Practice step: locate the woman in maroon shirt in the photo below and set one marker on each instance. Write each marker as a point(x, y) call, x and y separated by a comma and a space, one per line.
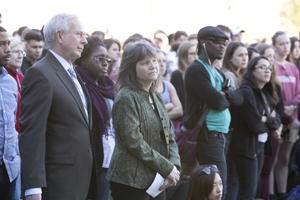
point(14, 64)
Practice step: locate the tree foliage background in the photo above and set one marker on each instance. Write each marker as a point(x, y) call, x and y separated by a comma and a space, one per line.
point(290, 12)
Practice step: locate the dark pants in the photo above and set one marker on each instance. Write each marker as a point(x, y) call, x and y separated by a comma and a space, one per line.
point(212, 152)
point(266, 170)
point(178, 192)
point(232, 178)
point(125, 192)
point(248, 170)
point(9, 190)
point(103, 185)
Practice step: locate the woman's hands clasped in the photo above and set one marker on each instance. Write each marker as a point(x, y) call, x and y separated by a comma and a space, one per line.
point(172, 179)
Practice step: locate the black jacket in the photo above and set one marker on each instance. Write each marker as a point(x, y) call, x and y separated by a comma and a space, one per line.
point(200, 91)
point(248, 124)
point(177, 81)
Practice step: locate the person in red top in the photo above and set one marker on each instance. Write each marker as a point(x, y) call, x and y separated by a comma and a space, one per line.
point(288, 75)
point(14, 64)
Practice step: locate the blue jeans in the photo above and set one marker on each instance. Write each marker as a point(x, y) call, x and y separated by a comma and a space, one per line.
point(9, 191)
point(103, 185)
point(213, 152)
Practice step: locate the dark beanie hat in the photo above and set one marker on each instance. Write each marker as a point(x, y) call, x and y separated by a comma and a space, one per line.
point(211, 31)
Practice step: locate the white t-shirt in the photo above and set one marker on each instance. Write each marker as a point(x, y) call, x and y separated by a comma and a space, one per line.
point(108, 141)
point(263, 137)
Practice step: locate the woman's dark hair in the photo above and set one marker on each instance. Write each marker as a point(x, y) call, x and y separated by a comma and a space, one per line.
point(133, 53)
point(111, 41)
point(175, 47)
point(201, 184)
point(269, 88)
point(33, 35)
point(227, 65)
point(254, 45)
point(93, 42)
point(250, 52)
point(170, 37)
point(262, 49)
point(290, 57)
point(180, 33)
point(21, 29)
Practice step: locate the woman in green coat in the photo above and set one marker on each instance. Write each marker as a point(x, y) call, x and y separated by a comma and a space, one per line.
point(145, 142)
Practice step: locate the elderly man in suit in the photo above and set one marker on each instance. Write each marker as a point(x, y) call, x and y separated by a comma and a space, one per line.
point(55, 135)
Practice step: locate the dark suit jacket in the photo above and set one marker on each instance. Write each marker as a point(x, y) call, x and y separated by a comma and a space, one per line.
point(55, 136)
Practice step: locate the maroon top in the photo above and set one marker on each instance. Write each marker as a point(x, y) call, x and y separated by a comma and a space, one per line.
point(18, 77)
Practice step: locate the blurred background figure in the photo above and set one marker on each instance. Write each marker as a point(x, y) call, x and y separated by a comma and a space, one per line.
point(161, 40)
point(113, 48)
point(193, 39)
point(186, 55)
point(99, 34)
point(295, 52)
point(167, 90)
point(179, 37)
point(252, 52)
point(15, 62)
point(34, 43)
point(226, 30)
point(236, 34)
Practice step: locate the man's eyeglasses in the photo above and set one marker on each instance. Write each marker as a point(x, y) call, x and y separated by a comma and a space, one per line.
point(18, 52)
point(207, 170)
point(217, 41)
point(265, 68)
point(102, 59)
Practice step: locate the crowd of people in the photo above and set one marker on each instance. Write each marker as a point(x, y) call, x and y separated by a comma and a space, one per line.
point(85, 117)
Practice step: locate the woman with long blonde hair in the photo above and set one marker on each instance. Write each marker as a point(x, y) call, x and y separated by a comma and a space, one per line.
point(186, 55)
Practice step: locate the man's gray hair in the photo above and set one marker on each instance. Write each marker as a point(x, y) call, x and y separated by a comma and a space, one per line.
point(58, 23)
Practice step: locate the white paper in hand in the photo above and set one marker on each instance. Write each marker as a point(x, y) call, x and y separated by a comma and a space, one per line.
point(153, 190)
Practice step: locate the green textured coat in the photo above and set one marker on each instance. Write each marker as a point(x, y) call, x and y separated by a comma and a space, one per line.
point(136, 157)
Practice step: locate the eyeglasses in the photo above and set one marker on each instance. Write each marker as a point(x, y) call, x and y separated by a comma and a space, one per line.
point(102, 59)
point(207, 170)
point(265, 68)
point(18, 52)
point(217, 41)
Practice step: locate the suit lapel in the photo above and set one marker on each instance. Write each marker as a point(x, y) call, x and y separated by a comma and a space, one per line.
point(88, 99)
point(67, 81)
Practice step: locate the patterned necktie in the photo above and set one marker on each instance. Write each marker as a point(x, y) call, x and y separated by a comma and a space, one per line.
point(78, 87)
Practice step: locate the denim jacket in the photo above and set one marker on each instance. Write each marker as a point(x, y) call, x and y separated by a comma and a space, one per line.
point(9, 147)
